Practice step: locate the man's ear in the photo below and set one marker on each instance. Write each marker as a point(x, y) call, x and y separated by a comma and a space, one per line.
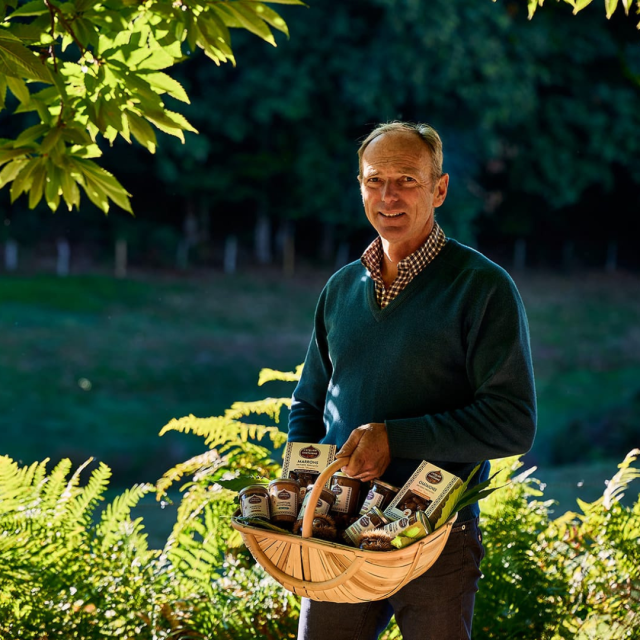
point(442, 187)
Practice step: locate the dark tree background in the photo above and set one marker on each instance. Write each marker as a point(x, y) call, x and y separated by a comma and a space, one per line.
point(539, 120)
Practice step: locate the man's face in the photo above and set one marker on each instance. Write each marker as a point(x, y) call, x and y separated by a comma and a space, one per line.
point(397, 191)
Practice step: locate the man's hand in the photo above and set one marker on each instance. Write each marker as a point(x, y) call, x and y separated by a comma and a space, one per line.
point(368, 447)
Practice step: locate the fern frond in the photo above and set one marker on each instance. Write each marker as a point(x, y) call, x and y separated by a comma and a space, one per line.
point(271, 407)
point(82, 505)
point(271, 375)
point(621, 480)
point(222, 431)
point(210, 460)
point(118, 512)
point(56, 484)
point(19, 485)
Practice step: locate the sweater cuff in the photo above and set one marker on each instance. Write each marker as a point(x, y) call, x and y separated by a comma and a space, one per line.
point(407, 437)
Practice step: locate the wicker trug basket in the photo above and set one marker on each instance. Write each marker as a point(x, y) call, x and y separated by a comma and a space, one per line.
point(333, 572)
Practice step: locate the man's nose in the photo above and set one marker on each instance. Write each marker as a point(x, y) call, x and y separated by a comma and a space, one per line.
point(389, 192)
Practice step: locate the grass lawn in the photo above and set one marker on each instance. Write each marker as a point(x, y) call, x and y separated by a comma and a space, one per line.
point(92, 366)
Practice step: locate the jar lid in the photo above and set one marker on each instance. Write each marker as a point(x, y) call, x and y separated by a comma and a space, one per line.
point(384, 484)
point(252, 487)
point(289, 480)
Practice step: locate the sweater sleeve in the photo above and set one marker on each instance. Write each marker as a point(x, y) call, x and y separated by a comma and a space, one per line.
point(306, 422)
point(501, 419)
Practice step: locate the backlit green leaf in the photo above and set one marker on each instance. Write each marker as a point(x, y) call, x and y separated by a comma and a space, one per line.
point(39, 175)
point(31, 134)
point(142, 131)
point(70, 191)
point(50, 140)
point(19, 89)
point(52, 187)
point(29, 64)
point(246, 16)
point(11, 170)
point(610, 6)
point(579, 5)
point(22, 181)
point(270, 17)
point(167, 84)
point(10, 154)
point(33, 8)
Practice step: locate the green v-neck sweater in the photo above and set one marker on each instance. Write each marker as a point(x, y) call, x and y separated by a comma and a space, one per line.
point(446, 365)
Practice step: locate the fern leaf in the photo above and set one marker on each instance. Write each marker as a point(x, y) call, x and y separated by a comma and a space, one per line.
point(209, 460)
point(271, 407)
point(621, 480)
point(270, 375)
point(221, 430)
point(56, 483)
point(118, 512)
point(81, 507)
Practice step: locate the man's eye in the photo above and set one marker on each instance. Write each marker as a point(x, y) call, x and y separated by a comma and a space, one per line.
point(408, 179)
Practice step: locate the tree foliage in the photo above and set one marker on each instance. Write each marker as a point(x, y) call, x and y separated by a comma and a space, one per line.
point(610, 6)
point(98, 69)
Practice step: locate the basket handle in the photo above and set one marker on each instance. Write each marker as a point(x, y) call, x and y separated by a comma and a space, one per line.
point(307, 520)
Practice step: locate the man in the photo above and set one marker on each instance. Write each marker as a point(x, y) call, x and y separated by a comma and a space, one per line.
point(420, 351)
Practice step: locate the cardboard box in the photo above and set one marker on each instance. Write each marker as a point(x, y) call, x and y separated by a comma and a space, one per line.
point(426, 490)
point(304, 460)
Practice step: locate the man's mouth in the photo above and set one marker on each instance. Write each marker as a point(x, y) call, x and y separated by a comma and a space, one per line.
point(391, 215)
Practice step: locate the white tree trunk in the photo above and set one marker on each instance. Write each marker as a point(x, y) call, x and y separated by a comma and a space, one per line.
point(520, 254)
point(121, 258)
point(64, 257)
point(288, 249)
point(230, 255)
point(262, 239)
point(11, 255)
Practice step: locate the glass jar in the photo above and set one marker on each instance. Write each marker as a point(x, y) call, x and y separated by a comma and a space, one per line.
point(373, 519)
point(254, 502)
point(380, 495)
point(284, 500)
point(347, 492)
point(325, 502)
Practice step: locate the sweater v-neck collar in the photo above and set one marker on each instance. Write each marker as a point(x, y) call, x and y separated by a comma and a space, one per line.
point(408, 292)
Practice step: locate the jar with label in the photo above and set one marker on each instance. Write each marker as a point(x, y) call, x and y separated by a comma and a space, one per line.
point(254, 502)
point(380, 495)
point(325, 502)
point(347, 492)
point(284, 500)
point(373, 519)
point(396, 527)
point(305, 478)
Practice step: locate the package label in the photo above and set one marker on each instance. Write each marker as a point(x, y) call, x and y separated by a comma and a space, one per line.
point(426, 490)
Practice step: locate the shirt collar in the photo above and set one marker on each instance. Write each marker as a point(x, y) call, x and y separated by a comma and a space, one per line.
point(423, 255)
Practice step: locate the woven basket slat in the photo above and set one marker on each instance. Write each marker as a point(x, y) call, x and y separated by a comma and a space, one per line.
point(294, 563)
point(274, 550)
point(319, 573)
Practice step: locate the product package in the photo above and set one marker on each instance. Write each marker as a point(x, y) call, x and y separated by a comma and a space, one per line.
point(304, 461)
point(426, 490)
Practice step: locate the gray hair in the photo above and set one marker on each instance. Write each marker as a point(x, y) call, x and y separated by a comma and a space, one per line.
point(426, 133)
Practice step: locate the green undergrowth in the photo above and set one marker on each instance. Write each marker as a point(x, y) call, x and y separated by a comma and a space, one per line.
point(72, 567)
